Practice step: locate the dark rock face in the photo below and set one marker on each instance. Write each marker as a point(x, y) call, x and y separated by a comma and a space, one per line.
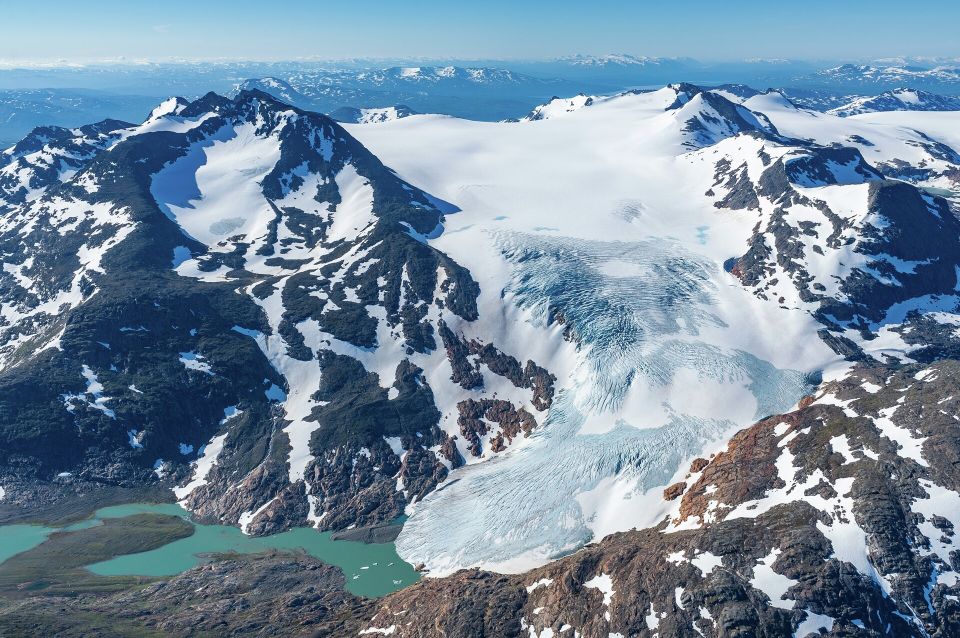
point(741, 195)
point(887, 486)
point(467, 373)
point(474, 416)
point(827, 166)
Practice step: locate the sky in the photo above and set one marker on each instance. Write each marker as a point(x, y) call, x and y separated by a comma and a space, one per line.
point(90, 30)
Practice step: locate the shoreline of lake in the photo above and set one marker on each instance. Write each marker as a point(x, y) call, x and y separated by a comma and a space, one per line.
point(370, 569)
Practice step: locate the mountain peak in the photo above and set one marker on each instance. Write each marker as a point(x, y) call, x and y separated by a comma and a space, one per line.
point(171, 106)
point(353, 115)
point(709, 116)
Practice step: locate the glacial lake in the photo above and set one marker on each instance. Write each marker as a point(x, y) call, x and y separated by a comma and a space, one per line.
point(371, 570)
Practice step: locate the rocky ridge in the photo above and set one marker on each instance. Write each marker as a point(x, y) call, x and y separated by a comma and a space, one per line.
point(124, 282)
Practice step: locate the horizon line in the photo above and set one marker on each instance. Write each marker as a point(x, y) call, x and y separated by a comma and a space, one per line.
point(8, 64)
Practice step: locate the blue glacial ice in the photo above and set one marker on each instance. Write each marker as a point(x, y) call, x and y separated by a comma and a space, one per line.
point(637, 311)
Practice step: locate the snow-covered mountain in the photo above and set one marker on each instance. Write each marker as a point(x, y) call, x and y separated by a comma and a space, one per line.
point(711, 317)
point(558, 106)
point(730, 157)
point(50, 155)
point(341, 302)
point(898, 100)
point(831, 516)
point(354, 115)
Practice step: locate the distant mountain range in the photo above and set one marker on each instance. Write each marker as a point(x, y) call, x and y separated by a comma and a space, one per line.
point(898, 100)
point(622, 60)
point(22, 110)
point(488, 93)
point(480, 93)
point(483, 90)
point(861, 75)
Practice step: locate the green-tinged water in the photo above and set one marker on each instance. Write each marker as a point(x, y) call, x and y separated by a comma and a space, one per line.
point(15, 539)
point(19, 538)
point(370, 569)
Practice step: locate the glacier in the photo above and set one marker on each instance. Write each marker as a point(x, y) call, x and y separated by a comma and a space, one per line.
point(610, 274)
point(636, 311)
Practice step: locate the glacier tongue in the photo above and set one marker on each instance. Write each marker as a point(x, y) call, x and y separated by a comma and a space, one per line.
point(645, 317)
point(523, 507)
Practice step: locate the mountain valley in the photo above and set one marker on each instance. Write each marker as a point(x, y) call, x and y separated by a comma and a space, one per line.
point(678, 361)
